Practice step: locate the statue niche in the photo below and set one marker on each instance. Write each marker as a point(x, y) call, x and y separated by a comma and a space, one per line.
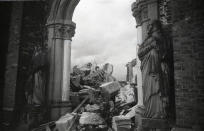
point(153, 53)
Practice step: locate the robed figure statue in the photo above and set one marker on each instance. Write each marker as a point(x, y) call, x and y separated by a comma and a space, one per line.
point(155, 72)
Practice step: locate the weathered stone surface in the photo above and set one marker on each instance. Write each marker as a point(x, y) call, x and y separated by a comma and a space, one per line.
point(64, 122)
point(155, 123)
point(121, 123)
point(92, 108)
point(110, 88)
point(88, 118)
point(126, 95)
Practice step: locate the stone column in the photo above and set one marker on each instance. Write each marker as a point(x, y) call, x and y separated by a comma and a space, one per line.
point(59, 49)
point(60, 31)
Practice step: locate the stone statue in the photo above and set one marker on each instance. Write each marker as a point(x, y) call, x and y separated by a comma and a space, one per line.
point(155, 72)
point(35, 89)
point(108, 69)
point(130, 75)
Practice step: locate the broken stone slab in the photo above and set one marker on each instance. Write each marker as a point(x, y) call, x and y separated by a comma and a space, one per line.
point(92, 108)
point(121, 123)
point(64, 122)
point(110, 89)
point(135, 110)
point(88, 118)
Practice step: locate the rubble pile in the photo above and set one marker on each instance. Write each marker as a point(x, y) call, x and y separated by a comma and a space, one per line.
point(108, 102)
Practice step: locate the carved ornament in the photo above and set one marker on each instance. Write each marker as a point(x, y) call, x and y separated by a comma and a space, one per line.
point(64, 31)
point(140, 10)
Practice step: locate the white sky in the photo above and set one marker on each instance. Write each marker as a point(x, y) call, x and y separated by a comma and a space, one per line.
point(105, 32)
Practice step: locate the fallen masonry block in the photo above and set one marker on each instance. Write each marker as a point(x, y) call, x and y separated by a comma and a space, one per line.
point(110, 89)
point(64, 122)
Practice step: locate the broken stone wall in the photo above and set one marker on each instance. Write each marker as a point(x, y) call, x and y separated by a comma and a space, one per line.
point(188, 46)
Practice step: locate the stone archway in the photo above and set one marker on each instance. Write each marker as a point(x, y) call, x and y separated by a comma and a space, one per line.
point(61, 29)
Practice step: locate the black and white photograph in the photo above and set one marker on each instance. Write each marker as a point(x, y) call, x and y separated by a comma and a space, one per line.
point(102, 65)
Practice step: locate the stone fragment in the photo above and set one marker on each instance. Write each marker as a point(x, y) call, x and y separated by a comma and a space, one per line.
point(92, 108)
point(126, 95)
point(121, 123)
point(88, 118)
point(64, 122)
point(110, 89)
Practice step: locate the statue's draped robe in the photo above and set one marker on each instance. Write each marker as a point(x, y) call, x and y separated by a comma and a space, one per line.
point(37, 80)
point(153, 80)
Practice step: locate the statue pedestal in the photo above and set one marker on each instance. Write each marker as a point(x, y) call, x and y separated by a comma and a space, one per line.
point(149, 124)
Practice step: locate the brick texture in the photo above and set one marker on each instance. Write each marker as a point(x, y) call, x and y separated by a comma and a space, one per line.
point(188, 46)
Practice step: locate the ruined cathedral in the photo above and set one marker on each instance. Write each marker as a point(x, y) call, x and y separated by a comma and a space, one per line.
point(40, 93)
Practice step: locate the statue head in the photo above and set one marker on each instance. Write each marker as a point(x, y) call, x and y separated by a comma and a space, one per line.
point(108, 68)
point(134, 62)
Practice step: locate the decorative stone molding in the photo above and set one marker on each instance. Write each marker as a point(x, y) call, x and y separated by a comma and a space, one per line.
point(60, 18)
point(140, 10)
point(65, 32)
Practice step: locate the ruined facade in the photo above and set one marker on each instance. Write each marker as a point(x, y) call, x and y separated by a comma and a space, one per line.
point(184, 19)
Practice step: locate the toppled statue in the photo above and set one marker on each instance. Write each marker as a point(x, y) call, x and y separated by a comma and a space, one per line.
point(155, 72)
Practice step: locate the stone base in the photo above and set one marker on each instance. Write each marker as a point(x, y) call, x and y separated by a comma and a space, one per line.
point(7, 119)
point(58, 109)
point(148, 124)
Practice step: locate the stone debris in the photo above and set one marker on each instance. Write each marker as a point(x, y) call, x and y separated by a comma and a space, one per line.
point(121, 123)
point(64, 122)
point(109, 105)
point(92, 108)
point(126, 95)
point(88, 118)
point(109, 89)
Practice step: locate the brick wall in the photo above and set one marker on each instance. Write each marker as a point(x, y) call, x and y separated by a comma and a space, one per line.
point(10, 76)
point(188, 46)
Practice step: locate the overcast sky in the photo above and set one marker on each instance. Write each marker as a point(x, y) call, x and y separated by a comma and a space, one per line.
point(105, 32)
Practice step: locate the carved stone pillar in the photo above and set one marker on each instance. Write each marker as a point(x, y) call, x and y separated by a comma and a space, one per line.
point(59, 46)
point(145, 11)
point(61, 29)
